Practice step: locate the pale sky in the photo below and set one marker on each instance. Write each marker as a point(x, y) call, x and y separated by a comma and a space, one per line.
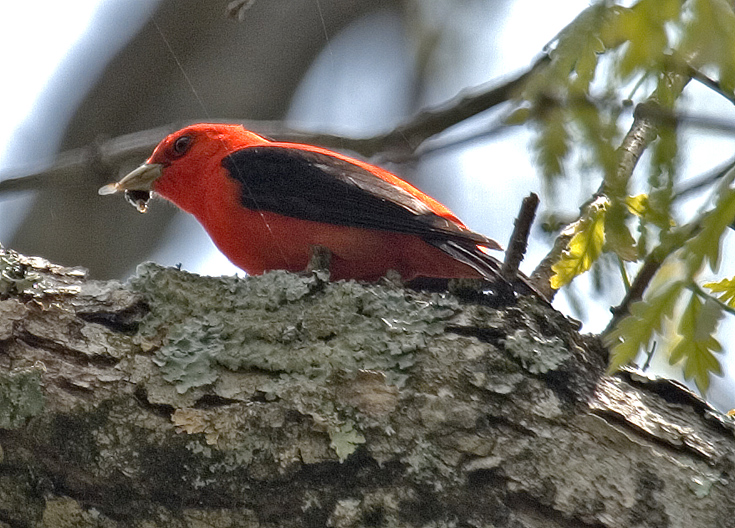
point(35, 37)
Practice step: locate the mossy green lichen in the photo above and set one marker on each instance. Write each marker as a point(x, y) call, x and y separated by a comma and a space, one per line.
point(21, 397)
point(295, 339)
point(345, 439)
point(15, 279)
point(537, 354)
point(34, 277)
point(282, 323)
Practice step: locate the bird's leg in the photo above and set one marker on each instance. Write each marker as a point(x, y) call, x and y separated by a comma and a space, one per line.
point(320, 261)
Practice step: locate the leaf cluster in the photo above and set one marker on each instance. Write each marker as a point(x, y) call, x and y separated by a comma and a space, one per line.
point(616, 67)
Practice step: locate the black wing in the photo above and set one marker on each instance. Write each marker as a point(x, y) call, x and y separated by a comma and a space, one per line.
point(323, 188)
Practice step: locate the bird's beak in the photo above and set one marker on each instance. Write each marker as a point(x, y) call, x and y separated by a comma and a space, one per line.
point(141, 179)
point(137, 185)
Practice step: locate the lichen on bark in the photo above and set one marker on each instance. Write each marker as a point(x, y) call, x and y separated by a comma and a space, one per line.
point(179, 400)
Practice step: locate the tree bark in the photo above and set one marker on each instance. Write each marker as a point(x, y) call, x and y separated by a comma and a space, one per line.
point(283, 400)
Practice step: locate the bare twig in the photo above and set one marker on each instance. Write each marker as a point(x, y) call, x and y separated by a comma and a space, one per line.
point(635, 292)
point(435, 120)
point(666, 117)
point(705, 180)
point(649, 357)
point(519, 238)
point(93, 163)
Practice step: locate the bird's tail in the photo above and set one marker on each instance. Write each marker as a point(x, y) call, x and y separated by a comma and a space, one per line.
point(486, 265)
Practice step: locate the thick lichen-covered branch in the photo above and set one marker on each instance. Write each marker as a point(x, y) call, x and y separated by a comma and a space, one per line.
point(179, 400)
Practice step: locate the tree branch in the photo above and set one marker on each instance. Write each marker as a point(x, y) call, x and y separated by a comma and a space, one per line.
point(180, 400)
point(96, 163)
point(639, 136)
point(646, 118)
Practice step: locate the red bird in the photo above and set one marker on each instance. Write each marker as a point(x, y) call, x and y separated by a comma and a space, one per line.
point(266, 203)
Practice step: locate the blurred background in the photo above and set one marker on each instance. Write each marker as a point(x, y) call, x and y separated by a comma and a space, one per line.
point(79, 73)
point(94, 70)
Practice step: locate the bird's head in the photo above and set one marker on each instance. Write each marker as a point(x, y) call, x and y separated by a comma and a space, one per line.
point(182, 164)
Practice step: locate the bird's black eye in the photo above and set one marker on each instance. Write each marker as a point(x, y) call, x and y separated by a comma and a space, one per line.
point(181, 145)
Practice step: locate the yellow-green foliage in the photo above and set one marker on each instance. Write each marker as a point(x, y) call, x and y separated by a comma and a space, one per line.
point(726, 287)
point(584, 248)
point(636, 330)
point(610, 60)
point(708, 39)
point(696, 343)
point(705, 246)
point(699, 321)
point(640, 32)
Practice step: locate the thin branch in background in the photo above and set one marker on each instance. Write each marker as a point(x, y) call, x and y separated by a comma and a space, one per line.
point(430, 122)
point(96, 163)
point(710, 83)
point(73, 168)
point(238, 9)
point(649, 357)
point(441, 144)
point(665, 117)
point(705, 180)
point(650, 266)
point(657, 115)
point(405, 139)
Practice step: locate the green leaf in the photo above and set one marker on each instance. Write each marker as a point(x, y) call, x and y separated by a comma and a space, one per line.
point(552, 144)
point(576, 52)
point(697, 344)
point(709, 38)
point(599, 129)
point(637, 204)
point(584, 248)
point(727, 288)
point(635, 331)
point(705, 246)
point(658, 208)
point(617, 234)
point(519, 116)
point(642, 27)
point(615, 32)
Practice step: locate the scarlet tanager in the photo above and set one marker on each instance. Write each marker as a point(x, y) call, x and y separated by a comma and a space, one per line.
point(266, 203)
